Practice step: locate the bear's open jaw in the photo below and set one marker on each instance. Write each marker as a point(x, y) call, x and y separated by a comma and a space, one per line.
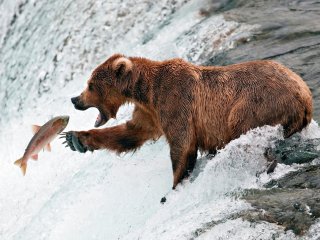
point(101, 119)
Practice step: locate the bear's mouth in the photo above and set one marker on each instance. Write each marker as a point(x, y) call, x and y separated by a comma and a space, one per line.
point(102, 118)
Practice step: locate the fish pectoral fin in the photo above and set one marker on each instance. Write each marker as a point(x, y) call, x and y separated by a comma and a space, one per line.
point(35, 128)
point(35, 157)
point(22, 165)
point(48, 147)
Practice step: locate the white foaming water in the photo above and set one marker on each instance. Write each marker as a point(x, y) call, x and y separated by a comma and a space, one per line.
point(46, 57)
point(210, 196)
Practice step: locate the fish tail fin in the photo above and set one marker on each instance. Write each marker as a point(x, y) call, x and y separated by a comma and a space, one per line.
point(18, 162)
point(22, 165)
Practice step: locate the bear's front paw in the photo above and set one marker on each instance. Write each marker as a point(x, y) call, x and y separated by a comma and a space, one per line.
point(76, 142)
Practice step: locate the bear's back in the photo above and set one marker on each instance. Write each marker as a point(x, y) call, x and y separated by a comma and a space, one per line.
point(230, 100)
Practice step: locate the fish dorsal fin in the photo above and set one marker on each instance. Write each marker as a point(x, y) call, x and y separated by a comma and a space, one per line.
point(35, 128)
point(48, 147)
point(35, 157)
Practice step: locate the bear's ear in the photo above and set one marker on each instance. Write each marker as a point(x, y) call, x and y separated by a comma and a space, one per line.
point(122, 66)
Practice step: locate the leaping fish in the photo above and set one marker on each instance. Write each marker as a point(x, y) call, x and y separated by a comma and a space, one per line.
point(42, 138)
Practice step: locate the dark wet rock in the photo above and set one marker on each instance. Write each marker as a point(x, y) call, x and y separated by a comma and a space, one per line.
point(294, 150)
point(292, 201)
point(295, 209)
point(288, 32)
point(308, 177)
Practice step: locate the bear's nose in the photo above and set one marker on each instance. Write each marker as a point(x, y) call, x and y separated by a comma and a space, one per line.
point(75, 100)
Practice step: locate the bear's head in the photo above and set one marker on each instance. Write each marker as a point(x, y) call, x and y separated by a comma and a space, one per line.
point(104, 88)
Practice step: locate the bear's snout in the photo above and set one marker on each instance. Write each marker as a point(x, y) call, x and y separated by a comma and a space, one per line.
point(75, 100)
point(78, 104)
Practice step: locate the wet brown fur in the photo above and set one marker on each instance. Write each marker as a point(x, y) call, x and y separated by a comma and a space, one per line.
point(195, 107)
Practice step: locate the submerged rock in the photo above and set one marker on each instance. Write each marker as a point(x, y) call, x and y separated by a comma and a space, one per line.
point(292, 201)
point(295, 150)
point(295, 209)
point(308, 177)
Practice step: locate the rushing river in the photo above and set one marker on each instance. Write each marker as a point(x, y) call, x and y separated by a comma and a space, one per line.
point(48, 50)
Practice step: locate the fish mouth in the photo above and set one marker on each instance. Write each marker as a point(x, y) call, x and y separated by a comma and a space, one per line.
point(102, 118)
point(66, 120)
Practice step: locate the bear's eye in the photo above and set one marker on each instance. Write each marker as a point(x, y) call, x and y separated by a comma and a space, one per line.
point(90, 87)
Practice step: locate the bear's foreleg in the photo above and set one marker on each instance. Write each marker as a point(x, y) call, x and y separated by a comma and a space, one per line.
point(121, 138)
point(183, 162)
point(183, 152)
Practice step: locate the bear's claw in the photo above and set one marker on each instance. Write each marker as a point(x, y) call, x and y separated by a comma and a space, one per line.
point(74, 143)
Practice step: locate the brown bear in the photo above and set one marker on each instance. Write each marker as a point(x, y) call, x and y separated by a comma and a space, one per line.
point(194, 107)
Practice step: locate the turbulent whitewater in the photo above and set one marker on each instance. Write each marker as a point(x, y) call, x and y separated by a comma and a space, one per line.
point(48, 50)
